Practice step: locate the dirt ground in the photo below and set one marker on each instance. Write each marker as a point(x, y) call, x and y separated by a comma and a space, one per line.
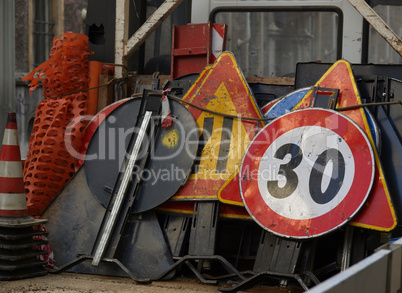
point(70, 282)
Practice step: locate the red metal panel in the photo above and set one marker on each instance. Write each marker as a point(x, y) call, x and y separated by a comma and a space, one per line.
point(194, 46)
point(190, 51)
point(191, 48)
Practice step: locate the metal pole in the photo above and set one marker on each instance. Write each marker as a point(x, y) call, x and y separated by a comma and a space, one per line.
point(122, 190)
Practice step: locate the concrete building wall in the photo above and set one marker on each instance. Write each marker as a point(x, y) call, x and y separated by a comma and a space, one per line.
point(72, 12)
point(18, 98)
point(7, 61)
point(21, 35)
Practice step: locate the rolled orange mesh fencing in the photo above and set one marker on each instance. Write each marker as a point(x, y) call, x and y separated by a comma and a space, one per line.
point(58, 128)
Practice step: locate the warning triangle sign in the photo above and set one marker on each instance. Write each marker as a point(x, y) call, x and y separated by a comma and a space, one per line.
point(227, 141)
point(221, 88)
point(187, 208)
point(378, 212)
point(229, 193)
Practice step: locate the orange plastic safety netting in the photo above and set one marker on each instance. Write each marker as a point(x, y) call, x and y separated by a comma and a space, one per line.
point(58, 127)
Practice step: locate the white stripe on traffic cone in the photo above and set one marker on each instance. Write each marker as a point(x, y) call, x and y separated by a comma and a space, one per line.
point(12, 194)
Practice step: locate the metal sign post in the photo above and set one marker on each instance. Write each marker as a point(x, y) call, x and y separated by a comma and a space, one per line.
point(111, 218)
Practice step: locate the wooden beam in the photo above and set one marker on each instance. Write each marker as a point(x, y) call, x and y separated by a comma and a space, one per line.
point(124, 47)
point(30, 35)
point(378, 24)
point(121, 36)
point(58, 17)
point(150, 25)
point(288, 81)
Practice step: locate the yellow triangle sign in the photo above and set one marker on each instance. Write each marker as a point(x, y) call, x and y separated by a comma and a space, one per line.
point(221, 88)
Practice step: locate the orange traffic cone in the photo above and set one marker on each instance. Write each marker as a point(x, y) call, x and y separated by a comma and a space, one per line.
point(12, 194)
point(18, 238)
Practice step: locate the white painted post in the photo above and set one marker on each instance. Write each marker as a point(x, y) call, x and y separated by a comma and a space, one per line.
point(121, 36)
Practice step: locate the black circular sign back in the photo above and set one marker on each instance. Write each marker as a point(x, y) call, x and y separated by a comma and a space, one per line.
point(169, 163)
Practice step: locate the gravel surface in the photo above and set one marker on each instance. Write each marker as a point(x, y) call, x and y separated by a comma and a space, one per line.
point(70, 282)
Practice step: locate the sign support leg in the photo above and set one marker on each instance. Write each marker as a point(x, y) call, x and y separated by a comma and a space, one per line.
point(278, 257)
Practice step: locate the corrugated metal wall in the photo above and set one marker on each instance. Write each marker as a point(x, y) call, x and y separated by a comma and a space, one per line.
point(7, 61)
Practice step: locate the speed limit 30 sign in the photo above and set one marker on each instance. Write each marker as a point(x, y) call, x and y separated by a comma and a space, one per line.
point(307, 173)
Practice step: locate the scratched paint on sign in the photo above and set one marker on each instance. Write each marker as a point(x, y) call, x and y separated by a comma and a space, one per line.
point(171, 138)
point(309, 179)
point(378, 213)
point(223, 140)
point(226, 139)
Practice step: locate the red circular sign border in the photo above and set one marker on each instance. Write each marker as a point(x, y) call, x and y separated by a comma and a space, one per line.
point(307, 228)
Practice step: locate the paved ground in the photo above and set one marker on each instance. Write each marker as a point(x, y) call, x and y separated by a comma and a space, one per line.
point(69, 282)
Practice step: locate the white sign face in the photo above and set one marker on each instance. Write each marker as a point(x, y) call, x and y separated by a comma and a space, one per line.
point(306, 172)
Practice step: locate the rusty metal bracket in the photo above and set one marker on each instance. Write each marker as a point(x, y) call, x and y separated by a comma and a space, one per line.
point(324, 97)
